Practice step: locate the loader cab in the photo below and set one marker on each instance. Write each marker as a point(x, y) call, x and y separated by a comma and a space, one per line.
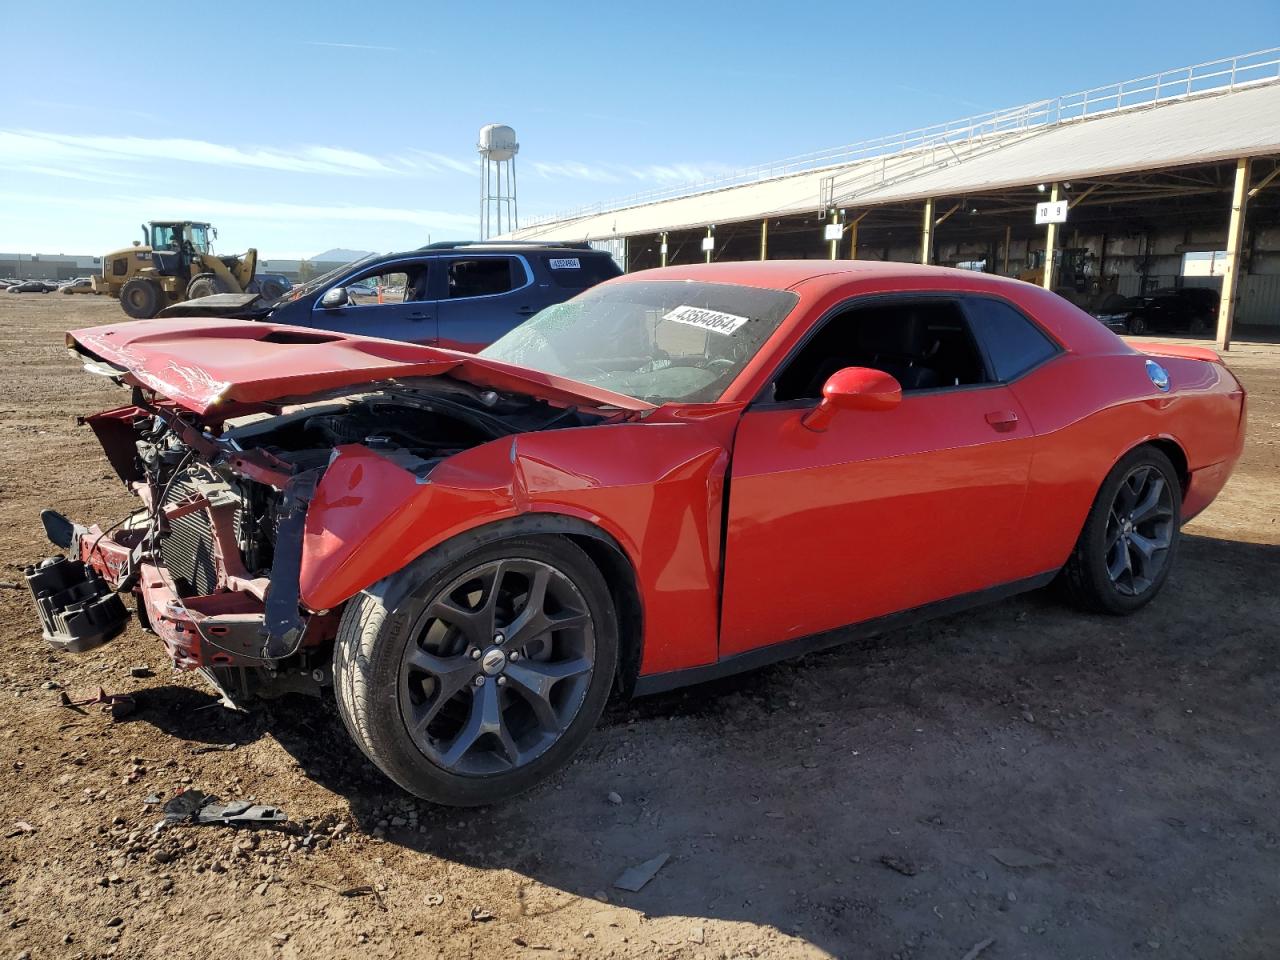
point(176, 244)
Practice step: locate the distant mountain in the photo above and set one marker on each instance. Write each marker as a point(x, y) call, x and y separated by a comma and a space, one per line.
point(340, 255)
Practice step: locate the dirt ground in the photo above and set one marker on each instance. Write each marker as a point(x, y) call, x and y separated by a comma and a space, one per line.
point(844, 805)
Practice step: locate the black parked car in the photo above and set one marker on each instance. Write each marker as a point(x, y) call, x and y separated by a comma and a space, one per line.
point(1191, 310)
point(461, 295)
point(33, 286)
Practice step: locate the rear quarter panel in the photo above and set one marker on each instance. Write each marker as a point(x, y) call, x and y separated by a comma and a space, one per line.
point(1088, 411)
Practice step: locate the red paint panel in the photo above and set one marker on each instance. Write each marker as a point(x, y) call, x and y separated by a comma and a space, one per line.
point(656, 487)
point(201, 364)
point(883, 511)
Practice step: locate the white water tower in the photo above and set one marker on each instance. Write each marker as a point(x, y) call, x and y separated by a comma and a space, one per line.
point(498, 148)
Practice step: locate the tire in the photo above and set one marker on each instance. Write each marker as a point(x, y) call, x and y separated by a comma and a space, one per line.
point(1130, 538)
point(140, 298)
point(384, 658)
point(205, 285)
point(1137, 326)
point(1199, 326)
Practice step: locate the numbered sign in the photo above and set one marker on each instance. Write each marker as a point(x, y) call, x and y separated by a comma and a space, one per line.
point(833, 231)
point(708, 244)
point(1055, 211)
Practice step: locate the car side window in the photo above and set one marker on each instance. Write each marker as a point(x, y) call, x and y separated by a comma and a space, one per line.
point(390, 286)
point(484, 276)
point(1014, 344)
point(924, 344)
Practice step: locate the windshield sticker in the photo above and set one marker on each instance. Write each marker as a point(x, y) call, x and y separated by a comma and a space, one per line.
point(724, 324)
point(564, 263)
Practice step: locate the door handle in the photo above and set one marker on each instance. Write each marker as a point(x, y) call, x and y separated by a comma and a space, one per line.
point(526, 311)
point(1002, 420)
point(417, 316)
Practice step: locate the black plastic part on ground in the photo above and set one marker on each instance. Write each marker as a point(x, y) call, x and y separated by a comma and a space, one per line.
point(77, 609)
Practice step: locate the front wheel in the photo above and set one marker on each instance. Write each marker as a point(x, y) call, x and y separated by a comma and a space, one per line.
point(204, 285)
point(141, 299)
point(487, 677)
point(1130, 537)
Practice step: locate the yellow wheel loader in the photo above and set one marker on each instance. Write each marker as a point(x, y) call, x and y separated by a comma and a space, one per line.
point(173, 263)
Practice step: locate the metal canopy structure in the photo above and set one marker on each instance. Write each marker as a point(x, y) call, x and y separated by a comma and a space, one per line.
point(1156, 172)
point(1195, 129)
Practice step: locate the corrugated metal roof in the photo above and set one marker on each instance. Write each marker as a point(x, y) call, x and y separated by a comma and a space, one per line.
point(1199, 129)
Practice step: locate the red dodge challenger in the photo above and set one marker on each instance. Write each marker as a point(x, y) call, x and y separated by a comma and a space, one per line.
point(678, 474)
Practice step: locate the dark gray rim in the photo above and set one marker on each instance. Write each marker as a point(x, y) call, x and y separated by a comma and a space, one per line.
point(1140, 529)
point(497, 666)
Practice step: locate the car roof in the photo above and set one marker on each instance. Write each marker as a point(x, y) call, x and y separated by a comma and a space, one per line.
point(817, 275)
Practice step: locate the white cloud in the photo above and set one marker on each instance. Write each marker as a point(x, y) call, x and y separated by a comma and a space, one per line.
point(348, 46)
point(159, 207)
point(30, 147)
point(620, 173)
point(106, 159)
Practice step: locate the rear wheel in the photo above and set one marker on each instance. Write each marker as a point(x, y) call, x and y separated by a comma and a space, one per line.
point(205, 285)
point(1130, 538)
point(1137, 325)
point(487, 677)
point(140, 298)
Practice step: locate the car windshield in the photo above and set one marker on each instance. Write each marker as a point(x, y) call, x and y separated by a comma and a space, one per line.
point(654, 340)
point(316, 283)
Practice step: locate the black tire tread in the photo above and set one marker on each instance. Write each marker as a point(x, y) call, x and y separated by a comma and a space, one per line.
point(1080, 575)
point(363, 627)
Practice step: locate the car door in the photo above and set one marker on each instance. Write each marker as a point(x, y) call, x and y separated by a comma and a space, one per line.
point(481, 298)
point(884, 510)
point(391, 300)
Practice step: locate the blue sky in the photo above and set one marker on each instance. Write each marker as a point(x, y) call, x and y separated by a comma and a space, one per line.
point(296, 127)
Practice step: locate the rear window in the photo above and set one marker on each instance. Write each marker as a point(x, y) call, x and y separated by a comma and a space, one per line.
point(578, 270)
point(484, 276)
point(1014, 344)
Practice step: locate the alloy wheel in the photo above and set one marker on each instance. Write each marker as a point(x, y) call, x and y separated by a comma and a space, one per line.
point(1140, 530)
point(496, 667)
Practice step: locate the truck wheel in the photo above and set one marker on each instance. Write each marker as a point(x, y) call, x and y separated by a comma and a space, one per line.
point(487, 677)
point(205, 285)
point(1130, 538)
point(140, 298)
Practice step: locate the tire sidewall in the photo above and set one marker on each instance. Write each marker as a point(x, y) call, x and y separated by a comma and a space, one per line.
point(1092, 545)
point(388, 742)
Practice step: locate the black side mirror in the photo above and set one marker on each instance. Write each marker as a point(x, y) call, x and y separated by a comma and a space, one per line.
point(335, 297)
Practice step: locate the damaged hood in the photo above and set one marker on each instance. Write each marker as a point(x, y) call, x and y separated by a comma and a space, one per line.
point(200, 364)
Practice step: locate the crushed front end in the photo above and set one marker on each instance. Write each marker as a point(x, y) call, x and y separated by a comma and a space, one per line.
point(230, 427)
point(211, 554)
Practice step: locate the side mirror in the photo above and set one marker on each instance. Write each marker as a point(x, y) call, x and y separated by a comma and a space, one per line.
point(335, 297)
point(853, 388)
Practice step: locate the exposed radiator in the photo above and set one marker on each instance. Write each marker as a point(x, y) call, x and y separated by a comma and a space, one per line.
point(188, 551)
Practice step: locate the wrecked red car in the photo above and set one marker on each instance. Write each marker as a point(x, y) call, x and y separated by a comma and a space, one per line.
point(678, 474)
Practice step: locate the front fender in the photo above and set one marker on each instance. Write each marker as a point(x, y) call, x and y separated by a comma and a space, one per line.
point(656, 488)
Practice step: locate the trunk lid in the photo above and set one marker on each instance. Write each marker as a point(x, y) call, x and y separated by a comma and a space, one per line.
point(200, 364)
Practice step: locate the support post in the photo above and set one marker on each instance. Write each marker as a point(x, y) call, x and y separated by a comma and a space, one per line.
point(1235, 238)
point(835, 244)
point(1008, 239)
point(710, 235)
point(663, 248)
point(926, 238)
point(1050, 241)
point(853, 238)
point(764, 239)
